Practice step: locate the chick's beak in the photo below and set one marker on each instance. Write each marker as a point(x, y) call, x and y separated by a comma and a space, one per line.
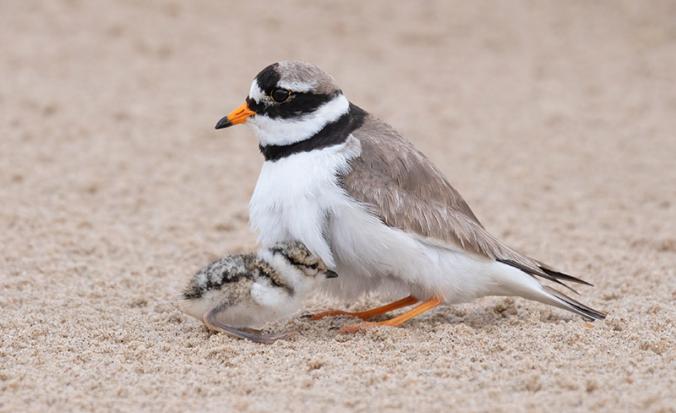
point(331, 274)
point(237, 116)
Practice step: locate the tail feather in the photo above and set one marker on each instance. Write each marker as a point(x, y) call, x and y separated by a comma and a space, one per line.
point(542, 270)
point(575, 306)
point(547, 274)
point(561, 276)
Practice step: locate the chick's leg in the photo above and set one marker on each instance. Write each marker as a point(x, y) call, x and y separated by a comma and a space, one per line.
point(365, 315)
point(211, 320)
point(396, 321)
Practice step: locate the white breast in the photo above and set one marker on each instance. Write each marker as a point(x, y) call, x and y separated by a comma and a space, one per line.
point(295, 195)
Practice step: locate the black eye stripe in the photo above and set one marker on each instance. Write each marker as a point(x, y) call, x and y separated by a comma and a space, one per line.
point(298, 104)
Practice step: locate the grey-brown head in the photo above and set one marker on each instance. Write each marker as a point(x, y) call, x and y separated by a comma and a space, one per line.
point(290, 102)
point(271, 83)
point(286, 89)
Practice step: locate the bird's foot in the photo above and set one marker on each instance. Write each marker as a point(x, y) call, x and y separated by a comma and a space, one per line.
point(396, 321)
point(367, 314)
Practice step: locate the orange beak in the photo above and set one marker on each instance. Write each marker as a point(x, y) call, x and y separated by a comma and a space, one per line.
point(237, 116)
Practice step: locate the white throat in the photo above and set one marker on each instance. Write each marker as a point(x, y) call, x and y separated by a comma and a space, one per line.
point(280, 131)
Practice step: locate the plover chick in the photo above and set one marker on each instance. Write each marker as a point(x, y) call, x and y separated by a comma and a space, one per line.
point(239, 292)
point(373, 207)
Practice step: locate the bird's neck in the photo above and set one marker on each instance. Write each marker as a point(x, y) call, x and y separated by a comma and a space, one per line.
point(285, 131)
point(331, 130)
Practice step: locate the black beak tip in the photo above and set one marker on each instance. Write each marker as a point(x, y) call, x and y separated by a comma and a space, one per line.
point(331, 274)
point(223, 123)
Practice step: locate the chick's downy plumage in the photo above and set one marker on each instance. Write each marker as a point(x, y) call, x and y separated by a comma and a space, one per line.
point(238, 292)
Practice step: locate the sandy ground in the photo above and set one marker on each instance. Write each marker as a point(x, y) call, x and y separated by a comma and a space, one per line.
point(556, 120)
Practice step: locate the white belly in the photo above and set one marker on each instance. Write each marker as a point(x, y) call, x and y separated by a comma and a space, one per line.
point(372, 256)
point(297, 198)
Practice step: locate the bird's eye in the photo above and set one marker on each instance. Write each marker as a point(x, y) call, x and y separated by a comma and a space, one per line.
point(280, 95)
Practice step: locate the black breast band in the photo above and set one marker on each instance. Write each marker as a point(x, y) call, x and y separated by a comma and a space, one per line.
point(333, 133)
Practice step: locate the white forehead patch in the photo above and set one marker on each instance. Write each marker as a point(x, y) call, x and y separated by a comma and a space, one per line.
point(255, 92)
point(296, 86)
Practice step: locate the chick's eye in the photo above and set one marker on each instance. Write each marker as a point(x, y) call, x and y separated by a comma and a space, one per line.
point(313, 267)
point(280, 95)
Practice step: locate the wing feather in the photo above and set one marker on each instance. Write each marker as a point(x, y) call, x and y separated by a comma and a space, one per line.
point(404, 189)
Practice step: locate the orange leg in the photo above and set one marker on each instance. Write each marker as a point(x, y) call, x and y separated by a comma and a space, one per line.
point(396, 321)
point(365, 315)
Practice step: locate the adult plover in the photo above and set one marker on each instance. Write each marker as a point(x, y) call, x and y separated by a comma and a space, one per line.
point(372, 206)
point(238, 292)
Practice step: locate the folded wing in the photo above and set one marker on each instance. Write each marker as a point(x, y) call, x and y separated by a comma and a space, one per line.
point(403, 188)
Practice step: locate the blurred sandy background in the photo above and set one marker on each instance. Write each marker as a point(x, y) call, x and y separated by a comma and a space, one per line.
point(556, 120)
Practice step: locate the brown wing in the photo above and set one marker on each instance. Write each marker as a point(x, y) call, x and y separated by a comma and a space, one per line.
point(402, 187)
